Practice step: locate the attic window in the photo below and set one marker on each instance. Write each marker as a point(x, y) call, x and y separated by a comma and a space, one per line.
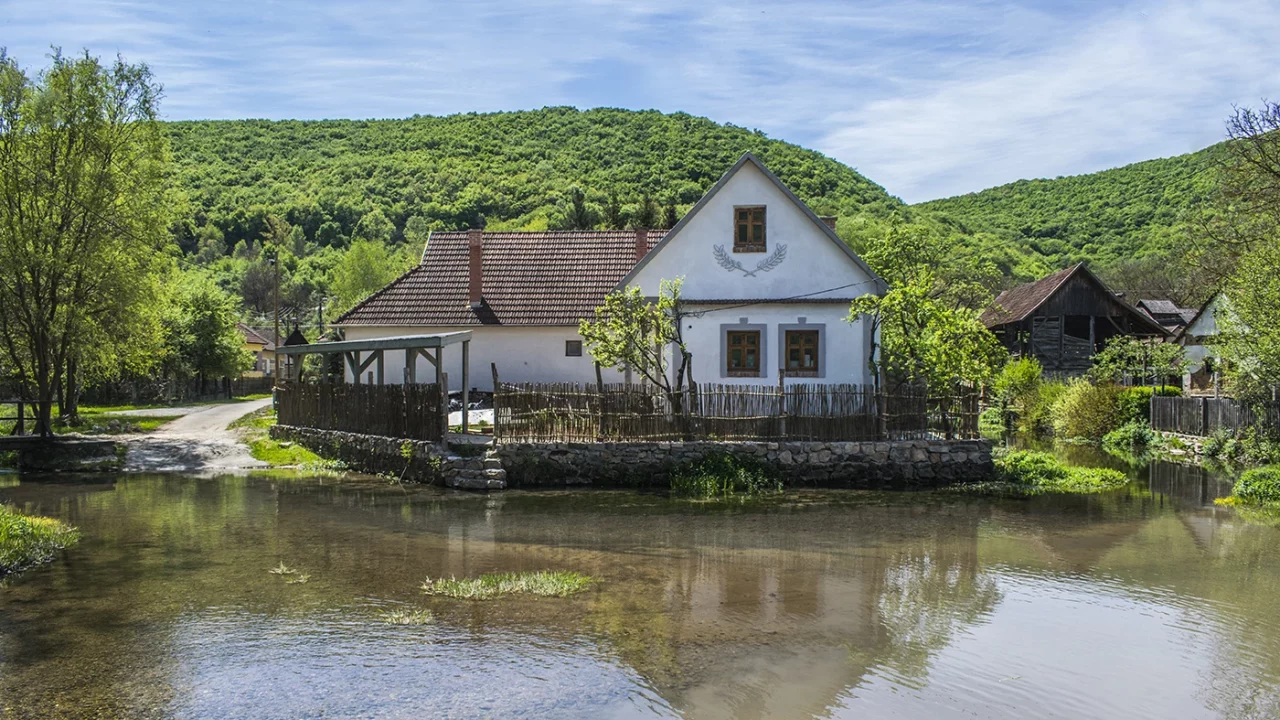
point(748, 229)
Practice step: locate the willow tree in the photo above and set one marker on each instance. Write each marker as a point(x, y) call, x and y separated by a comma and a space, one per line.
point(82, 218)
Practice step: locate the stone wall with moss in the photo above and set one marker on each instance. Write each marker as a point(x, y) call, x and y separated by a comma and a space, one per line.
point(897, 465)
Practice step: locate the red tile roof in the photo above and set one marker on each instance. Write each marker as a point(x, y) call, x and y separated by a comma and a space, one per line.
point(530, 278)
point(257, 337)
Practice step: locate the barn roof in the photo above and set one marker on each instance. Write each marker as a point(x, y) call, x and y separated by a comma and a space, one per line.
point(1019, 303)
point(529, 278)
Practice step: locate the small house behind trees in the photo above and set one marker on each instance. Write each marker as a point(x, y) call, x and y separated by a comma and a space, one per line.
point(1064, 319)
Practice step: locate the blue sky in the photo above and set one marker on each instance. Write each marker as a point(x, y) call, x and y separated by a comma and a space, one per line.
point(927, 97)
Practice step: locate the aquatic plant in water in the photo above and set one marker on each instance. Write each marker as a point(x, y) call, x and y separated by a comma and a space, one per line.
point(545, 583)
point(1024, 472)
point(722, 475)
point(408, 617)
point(27, 540)
point(282, 569)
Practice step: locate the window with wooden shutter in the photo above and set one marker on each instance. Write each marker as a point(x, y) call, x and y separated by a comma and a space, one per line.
point(748, 229)
point(743, 347)
point(802, 352)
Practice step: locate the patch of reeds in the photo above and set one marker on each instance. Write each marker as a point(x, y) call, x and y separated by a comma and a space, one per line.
point(27, 540)
point(408, 617)
point(544, 583)
point(723, 475)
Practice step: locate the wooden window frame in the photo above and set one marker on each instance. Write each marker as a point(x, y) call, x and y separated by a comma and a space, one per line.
point(570, 346)
point(750, 246)
point(731, 371)
point(816, 334)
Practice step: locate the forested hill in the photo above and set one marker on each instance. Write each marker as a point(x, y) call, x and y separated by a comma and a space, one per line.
point(1106, 218)
point(343, 179)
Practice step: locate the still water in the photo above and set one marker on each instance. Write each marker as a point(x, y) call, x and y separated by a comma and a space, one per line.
point(1148, 602)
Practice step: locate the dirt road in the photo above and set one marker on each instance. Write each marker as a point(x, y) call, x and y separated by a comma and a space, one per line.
point(196, 442)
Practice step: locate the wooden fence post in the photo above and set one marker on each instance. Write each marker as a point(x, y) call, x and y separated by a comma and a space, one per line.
point(782, 403)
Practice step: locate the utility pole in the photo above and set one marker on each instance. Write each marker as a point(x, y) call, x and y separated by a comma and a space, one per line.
point(275, 257)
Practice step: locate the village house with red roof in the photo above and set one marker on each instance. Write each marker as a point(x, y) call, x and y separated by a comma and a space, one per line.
point(766, 288)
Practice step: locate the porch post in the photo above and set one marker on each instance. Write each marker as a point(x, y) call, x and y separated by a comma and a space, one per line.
point(466, 384)
point(411, 365)
point(381, 367)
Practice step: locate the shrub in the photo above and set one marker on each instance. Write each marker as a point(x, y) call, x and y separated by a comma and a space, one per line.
point(1133, 434)
point(720, 475)
point(1134, 404)
point(1259, 485)
point(1086, 410)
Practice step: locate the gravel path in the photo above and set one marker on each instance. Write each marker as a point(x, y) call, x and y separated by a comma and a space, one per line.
point(197, 442)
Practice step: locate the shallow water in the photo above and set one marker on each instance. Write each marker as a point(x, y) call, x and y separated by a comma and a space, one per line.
point(1148, 602)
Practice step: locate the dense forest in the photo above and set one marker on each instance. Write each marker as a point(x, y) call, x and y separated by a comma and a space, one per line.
point(1109, 219)
point(390, 182)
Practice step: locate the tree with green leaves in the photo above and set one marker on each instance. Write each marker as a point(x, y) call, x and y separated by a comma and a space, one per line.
point(83, 215)
point(578, 213)
point(614, 216)
point(632, 332)
point(646, 214)
point(927, 333)
point(1128, 358)
point(365, 268)
point(201, 334)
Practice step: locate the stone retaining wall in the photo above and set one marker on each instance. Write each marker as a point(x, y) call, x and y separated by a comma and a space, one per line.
point(901, 464)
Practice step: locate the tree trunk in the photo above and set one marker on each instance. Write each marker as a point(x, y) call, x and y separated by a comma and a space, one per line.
point(71, 399)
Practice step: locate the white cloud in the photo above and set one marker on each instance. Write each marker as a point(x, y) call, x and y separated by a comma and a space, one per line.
point(1140, 83)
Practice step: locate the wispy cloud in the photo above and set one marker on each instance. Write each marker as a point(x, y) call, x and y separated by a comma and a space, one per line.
point(927, 97)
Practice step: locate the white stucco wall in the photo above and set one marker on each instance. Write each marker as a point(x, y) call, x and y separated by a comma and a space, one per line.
point(842, 355)
point(813, 262)
point(523, 354)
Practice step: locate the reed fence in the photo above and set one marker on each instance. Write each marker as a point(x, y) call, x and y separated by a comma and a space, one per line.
point(404, 411)
point(1204, 416)
point(569, 412)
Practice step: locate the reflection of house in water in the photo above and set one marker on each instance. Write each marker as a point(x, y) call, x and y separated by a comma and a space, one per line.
point(1189, 484)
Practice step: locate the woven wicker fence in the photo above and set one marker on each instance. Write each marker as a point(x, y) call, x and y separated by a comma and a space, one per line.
point(569, 412)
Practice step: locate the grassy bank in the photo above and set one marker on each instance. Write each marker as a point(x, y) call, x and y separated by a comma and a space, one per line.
point(254, 429)
point(544, 583)
point(1023, 473)
point(1257, 489)
point(26, 540)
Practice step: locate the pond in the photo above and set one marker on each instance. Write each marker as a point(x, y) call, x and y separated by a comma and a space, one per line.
point(1146, 602)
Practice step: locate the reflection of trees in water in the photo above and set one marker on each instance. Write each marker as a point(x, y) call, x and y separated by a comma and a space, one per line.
point(925, 598)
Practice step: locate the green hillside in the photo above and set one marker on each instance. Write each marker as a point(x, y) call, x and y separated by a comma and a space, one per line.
point(514, 168)
point(1105, 218)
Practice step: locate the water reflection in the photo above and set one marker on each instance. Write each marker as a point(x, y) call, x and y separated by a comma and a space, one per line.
point(1146, 602)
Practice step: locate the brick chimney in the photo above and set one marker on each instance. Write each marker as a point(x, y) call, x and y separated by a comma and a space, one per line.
point(642, 243)
point(475, 267)
point(830, 221)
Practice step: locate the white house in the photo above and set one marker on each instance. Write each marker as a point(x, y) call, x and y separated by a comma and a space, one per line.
point(1203, 376)
point(767, 285)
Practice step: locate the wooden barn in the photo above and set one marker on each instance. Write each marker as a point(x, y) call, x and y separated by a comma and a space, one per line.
point(1064, 319)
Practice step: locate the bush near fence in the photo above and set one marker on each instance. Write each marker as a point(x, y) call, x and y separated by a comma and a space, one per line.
point(153, 391)
point(1203, 416)
point(403, 411)
point(569, 412)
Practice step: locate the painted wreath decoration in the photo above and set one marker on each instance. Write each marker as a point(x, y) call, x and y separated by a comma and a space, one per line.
point(727, 262)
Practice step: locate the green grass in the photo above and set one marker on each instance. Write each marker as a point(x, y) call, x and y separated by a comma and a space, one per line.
point(1258, 488)
point(26, 540)
point(1026, 473)
point(721, 476)
point(254, 430)
point(544, 583)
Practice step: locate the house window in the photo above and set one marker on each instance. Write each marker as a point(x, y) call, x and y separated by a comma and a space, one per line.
point(748, 229)
point(573, 348)
point(802, 352)
point(743, 353)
